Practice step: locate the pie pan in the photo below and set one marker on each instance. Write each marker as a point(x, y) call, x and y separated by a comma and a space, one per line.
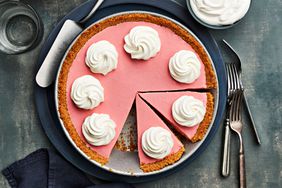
point(126, 163)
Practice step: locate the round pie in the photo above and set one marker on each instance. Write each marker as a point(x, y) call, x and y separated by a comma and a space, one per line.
point(136, 57)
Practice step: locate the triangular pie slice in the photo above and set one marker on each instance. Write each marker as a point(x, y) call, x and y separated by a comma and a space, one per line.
point(147, 118)
point(163, 101)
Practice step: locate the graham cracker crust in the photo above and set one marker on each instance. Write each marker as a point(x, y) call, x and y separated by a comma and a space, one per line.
point(163, 163)
point(204, 125)
point(79, 43)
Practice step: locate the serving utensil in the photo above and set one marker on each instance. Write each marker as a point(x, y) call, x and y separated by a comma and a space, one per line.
point(236, 125)
point(47, 72)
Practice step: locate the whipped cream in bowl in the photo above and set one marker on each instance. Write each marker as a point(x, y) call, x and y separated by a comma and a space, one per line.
point(218, 14)
point(157, 142)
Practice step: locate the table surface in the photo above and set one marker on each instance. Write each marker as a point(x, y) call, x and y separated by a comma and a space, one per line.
point(258, 41)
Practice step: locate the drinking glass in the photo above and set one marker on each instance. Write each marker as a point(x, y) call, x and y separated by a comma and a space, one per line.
point(20, 27)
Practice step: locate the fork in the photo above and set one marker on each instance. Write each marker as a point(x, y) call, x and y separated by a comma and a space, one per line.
point(236, 125)
point(233, 84)
point(237, 62)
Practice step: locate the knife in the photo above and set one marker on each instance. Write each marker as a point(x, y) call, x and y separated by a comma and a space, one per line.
point(47, 72)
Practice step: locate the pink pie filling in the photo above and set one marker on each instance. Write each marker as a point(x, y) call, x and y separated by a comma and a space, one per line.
point(130, 77)
point(162, 102)
point(147, 118)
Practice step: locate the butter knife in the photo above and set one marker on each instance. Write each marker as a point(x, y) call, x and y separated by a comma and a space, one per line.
point(47, 72)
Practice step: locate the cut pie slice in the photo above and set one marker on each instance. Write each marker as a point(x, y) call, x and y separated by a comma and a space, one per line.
point(163, 102)
point(146, 119)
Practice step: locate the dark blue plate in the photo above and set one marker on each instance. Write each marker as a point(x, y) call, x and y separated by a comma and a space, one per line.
point(45, 102)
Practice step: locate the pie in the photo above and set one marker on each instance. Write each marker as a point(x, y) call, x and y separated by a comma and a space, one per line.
point(114, 60)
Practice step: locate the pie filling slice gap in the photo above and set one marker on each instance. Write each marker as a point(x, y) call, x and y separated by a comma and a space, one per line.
point(146, 119)
point(163, 102)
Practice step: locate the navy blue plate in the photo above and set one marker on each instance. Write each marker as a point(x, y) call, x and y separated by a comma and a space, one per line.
point(45, 102)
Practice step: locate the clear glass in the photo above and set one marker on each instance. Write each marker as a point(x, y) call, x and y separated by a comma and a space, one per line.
point(20, 27)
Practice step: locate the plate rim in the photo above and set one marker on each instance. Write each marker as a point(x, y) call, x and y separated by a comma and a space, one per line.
point(126, 173)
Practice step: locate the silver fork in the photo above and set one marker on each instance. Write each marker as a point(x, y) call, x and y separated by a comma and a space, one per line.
point(237, 126)
point(233, 84)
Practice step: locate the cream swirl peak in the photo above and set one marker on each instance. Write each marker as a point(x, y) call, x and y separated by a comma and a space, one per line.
point(157, 142)
point(220, 12)
point(184, 66)
point(102, 57)
point(188, 111)
point(142, 42)
point(87, 92)
point(98, 129)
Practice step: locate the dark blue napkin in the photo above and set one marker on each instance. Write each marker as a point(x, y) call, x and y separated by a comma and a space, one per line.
point(45, 168)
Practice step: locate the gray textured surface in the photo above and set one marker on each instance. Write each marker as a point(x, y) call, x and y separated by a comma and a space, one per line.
point(259, 43)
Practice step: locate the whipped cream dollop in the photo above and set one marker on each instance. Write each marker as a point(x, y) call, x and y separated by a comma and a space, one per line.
point(157, 142)
point(98, 129)
point(184, 66)
point(220, 12)
point(142, 42)
point(102, 57)
point(188, 111)
point(87, 92)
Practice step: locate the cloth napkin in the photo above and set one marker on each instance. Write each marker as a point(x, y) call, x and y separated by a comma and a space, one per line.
point(46, 168)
